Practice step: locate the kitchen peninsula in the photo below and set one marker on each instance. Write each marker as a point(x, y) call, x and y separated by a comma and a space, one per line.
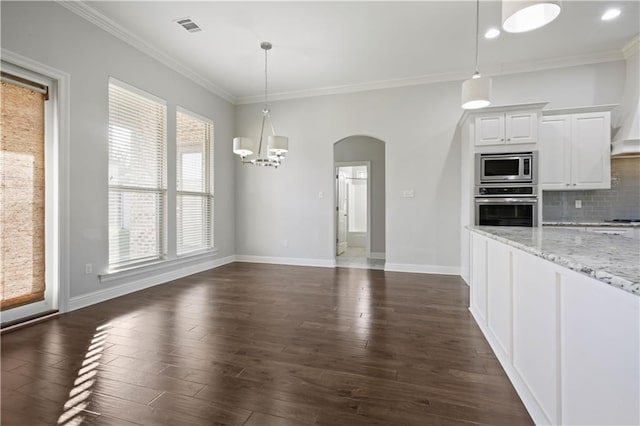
point(561, 310)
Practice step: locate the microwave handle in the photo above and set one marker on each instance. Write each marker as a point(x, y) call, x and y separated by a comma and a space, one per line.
point(507, 200)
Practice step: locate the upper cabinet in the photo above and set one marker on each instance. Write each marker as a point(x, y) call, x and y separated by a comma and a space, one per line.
point(503, 128)
point(575, 151)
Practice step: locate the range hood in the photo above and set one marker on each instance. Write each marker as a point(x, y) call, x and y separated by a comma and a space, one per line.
point(626, 139)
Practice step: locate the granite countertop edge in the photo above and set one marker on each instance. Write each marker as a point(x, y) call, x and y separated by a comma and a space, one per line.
point(593, 224)
point(598, 274)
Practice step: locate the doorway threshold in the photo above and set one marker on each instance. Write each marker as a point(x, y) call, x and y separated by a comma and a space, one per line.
point(359, 263)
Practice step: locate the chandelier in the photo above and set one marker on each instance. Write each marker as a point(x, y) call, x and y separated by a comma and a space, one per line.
point(276, 146)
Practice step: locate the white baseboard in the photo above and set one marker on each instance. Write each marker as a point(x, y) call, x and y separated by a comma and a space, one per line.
point(294, 261)
point(377, 255)
point(422, 269)
point(140, 284)
point(466, 280)
point(529, 401)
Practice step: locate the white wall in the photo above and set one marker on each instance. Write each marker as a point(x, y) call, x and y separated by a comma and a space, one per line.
point(52, 35)
point(418, 125)
point(365, 148)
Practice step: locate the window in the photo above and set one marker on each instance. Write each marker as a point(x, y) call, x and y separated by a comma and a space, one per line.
point(137, 139)
point(194, 198)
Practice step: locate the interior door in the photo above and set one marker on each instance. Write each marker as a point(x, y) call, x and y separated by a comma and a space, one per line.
point(342, 201)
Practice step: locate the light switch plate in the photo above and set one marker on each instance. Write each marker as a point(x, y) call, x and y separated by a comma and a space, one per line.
point(578, 204)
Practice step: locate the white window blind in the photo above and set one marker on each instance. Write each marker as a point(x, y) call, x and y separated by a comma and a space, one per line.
point(194, 197)
point(137, 139)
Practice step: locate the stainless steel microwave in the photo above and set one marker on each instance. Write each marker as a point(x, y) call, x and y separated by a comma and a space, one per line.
point(519, 167)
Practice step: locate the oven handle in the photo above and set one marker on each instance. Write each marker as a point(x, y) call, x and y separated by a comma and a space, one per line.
point(507, 200)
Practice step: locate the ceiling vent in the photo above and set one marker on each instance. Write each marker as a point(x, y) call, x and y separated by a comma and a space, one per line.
point(188, 25)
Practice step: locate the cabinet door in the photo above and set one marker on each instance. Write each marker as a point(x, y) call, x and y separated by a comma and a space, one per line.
point(479, 277)
point(555, 152)
point(490, 129)
point(499, 294)
point(536, 330)
point(600, 353)
point(591, 151)
point(521, 127)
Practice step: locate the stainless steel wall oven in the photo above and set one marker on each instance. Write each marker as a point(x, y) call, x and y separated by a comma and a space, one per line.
point(506, 193)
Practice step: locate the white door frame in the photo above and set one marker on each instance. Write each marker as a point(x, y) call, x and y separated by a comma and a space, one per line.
point(56, 185)
point(336, 166)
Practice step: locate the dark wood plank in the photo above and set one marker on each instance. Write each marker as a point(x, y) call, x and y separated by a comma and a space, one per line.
point(263, 345)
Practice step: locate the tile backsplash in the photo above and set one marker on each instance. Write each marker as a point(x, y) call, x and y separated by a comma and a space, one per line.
point(622, 201)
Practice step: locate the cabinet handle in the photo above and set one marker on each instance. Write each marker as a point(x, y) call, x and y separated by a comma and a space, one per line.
point(509, 139)
point(574, 184)
point(502, 140)
point(567, 184)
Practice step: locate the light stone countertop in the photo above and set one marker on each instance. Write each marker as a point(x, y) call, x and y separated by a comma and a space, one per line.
point(612, 259)
point(594, 224)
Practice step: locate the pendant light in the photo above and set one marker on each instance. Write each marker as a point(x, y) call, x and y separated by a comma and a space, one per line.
point(476, 91)
point(519, 16)
point(276, 146)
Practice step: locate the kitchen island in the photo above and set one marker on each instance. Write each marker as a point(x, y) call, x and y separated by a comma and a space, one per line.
point(612, 259)
point(561, 310)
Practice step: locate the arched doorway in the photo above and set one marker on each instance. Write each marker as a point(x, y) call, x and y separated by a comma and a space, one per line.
point(359, 202)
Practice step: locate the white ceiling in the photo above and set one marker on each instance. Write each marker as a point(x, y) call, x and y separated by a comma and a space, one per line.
point(346, 46)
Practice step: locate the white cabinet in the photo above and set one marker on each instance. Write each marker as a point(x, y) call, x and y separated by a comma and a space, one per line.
point(569, 343)
point(535, 330)
point(575, 151)
point(500, 128)
point(600, 353)
point(554, 152)
point(479, 277)
point(499, 293)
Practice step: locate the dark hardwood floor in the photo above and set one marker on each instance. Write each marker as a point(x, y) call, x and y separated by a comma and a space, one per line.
point(263, 345)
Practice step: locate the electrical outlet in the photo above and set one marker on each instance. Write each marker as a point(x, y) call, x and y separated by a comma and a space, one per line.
point(320, 194)
point(578, 204)
point(88, 268)
point(407, 193)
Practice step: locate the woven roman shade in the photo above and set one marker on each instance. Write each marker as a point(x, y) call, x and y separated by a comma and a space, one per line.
point(22, 196)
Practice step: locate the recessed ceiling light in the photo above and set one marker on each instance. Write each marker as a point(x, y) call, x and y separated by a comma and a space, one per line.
point(492, 33)
point(610, 14)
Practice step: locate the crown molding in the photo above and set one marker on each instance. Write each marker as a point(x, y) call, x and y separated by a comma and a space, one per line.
point(490, 71)
point(559, 62)
point(632, 47)
point(355, 87)
point(82, 9)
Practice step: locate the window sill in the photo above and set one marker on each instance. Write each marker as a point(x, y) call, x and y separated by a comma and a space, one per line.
point(154, 266)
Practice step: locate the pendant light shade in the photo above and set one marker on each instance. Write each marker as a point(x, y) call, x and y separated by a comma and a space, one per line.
point(278, 145)
point(476, 92)
point(243, 146)
point(519, 16)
